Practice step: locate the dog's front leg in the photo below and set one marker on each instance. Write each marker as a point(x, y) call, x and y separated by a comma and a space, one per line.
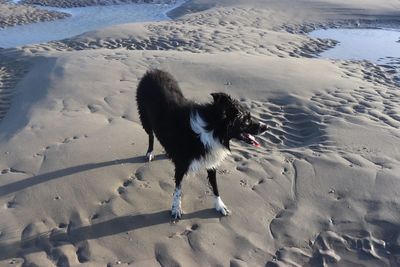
point(219, 205)
point(176, 211)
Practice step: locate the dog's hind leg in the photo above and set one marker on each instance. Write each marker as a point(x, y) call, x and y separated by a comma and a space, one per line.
point(149, 130)
point(219, 205)
point(176, 211)
point(149, 153)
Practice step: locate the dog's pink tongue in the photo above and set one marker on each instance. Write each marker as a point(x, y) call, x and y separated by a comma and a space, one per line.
point(253, 140)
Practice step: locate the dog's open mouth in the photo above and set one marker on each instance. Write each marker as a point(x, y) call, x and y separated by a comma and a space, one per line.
point(248, 138)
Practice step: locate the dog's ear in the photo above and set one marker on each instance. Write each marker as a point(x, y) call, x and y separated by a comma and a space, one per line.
point(220, 97)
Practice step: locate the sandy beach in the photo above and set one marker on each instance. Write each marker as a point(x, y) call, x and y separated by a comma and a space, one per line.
point(323, 189)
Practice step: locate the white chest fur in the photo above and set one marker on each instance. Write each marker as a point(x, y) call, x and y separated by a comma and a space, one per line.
point(216, 152)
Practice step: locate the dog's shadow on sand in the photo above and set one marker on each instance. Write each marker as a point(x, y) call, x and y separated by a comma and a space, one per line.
point(47, 241)
point(45, 177)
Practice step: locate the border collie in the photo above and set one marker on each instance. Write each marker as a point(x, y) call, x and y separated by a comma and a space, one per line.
point(194, 136)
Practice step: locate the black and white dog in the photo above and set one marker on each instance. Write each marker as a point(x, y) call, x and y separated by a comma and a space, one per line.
point(194, 136)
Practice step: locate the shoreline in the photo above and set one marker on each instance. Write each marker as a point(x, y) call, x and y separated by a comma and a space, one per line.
point(79, 3)
point(13, 15)
point(185, 7)
point(70, 27)
point(25, 12)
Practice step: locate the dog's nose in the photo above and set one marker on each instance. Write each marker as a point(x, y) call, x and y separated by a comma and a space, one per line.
point(262, 128)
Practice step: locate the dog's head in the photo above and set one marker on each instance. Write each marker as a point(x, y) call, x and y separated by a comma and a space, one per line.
point(236, 120)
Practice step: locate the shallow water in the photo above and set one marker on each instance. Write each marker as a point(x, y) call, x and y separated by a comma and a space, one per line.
point(376, 45)
point(83, 19)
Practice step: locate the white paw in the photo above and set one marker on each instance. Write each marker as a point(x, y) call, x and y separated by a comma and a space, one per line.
point(149, 156)
point(176, 211)
point(220, 206)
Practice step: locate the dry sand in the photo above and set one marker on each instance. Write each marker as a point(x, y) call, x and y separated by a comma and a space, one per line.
point(322, 191)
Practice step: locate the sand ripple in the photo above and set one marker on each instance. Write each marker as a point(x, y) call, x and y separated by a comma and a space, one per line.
point(10, 73)
point(11, 15)
point(204, 33)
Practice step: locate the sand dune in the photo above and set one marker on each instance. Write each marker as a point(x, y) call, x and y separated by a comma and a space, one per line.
point(321, 191)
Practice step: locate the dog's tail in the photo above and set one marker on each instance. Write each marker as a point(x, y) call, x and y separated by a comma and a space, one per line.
point(141, 100)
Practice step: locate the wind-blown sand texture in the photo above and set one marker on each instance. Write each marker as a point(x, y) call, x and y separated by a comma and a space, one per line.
point(11, 15)
point(322, 191)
